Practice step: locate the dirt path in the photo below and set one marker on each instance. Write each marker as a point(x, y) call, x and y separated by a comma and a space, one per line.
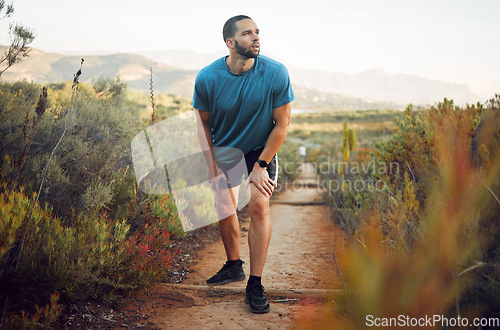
point(299, 264)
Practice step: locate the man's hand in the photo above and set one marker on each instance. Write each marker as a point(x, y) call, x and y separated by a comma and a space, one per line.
point(217, 178)
point(260, 178)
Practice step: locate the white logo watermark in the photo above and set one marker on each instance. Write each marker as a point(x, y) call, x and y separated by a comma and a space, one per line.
point(170, 157)
point(430, 321)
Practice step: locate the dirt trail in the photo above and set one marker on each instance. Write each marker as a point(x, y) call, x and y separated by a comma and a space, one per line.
point(299, 258)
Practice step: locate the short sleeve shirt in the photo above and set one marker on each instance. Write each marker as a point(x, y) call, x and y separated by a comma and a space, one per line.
point(241, 106)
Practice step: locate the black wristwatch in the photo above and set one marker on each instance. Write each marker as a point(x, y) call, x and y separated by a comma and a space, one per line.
point(262, 163)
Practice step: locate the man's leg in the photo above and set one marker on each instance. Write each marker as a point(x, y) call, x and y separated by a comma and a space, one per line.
point(229, 228)
point(259, 233)
point(230, 233)
point(259, 236)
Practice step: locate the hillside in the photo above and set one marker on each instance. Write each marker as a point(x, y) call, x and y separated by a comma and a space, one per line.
point(133, 69)
point(175, 72)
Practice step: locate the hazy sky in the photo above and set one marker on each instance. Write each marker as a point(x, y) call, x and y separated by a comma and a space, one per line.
point(449, 40)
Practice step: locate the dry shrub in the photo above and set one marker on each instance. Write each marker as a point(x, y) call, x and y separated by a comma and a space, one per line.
point(431, 246)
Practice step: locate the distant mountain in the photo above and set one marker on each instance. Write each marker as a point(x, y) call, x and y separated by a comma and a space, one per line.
point(373, 85)
point(183, 59)
point(379, 85)
point(133, 69)
point(175, 72)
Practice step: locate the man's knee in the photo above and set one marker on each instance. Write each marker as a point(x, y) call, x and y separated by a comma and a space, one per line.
point(226, 202)
point(259, 208)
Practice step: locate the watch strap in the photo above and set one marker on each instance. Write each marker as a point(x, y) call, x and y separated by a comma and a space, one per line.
point(262, 163)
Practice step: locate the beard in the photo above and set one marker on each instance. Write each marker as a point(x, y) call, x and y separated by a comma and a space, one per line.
point(248, 53)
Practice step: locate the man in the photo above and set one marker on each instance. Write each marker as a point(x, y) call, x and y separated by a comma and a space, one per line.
point(243, 102)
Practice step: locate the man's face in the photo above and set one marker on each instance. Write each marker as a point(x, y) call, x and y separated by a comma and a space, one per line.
point(247, 39)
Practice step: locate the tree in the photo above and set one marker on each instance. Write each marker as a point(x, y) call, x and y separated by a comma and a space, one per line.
point(21, 37)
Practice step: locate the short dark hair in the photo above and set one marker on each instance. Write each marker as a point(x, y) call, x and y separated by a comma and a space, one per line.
point(229, 29)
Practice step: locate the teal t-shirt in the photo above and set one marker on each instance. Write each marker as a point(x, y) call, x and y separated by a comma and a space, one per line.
point(241, 106)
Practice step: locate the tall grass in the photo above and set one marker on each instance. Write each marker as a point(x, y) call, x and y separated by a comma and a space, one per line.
point(429, 243)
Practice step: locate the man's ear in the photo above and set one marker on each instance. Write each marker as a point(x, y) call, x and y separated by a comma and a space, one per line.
point(230, 43)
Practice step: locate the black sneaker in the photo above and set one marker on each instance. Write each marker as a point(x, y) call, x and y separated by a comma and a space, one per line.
point(255, 298)
point(228, 274)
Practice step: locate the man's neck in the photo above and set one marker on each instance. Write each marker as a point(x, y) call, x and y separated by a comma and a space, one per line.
point(238, 64)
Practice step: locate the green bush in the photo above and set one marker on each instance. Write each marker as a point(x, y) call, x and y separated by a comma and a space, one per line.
point(96, 143)
point(289, 161)
point(166, 214)
point(88, 234)
point(94, 258)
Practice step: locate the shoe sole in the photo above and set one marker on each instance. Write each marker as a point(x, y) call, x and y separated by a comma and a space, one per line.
point(258, 311)
point(237, 279)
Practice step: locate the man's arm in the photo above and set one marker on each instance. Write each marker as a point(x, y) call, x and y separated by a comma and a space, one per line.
point(281, 117)
point(205, 138)
point(259, 176)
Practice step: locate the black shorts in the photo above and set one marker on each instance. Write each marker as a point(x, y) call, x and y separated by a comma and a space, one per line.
point(236, 178)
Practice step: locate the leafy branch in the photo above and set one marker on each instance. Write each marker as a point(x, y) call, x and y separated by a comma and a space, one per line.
point(21, 37)
point(9, 11)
